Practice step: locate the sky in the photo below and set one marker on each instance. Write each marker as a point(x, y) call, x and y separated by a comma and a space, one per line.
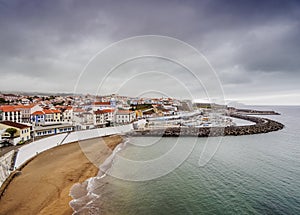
point(253, 46)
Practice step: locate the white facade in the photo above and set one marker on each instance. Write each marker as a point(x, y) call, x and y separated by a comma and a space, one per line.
point(101, 117)
point(68, 116)
point(83, 120)
point(52, 129)
point(26, 112)
point(14, 116)
point(125, 116)
point(46, 116)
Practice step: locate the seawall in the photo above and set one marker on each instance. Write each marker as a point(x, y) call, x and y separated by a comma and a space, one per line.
point(262, 125)
point(27, 152)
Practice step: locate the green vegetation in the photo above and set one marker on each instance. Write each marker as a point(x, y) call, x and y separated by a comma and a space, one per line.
point(11, 131)
point(20, 143)
point(203, 105)
point(3, 101)
point(59, 103)
point(141, 107)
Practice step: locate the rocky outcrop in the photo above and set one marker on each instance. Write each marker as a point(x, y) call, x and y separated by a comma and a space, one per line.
point(262, 125)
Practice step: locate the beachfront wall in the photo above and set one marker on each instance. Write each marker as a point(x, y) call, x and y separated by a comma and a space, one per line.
point(100, 132)
point(28, 151)
point(5, 163)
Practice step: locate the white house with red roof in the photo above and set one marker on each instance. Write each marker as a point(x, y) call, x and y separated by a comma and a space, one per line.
point(124, 116)
point(67, 114)
point(11, 97)
point(10, 113)
point(46, 116)
point(27, 110)
point(19, 113)
point(22, 130)
point(101, 106)
point(103, 117)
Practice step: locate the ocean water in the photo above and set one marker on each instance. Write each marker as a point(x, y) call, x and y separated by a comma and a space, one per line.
point(255, 174)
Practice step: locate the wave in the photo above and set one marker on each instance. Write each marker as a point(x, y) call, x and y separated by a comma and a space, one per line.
point(86, 193)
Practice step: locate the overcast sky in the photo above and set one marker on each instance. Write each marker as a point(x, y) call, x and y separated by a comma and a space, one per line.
point(254, 46)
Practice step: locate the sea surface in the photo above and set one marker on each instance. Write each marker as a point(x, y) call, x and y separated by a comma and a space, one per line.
point(253, 174)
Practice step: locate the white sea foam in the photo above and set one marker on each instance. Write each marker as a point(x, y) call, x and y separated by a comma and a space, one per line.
point(84, 194)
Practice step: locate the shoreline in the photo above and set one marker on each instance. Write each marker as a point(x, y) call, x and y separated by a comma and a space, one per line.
point(44, 193)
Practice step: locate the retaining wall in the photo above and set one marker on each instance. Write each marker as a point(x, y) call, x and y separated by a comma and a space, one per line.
point(30, 150)
point(5, 163)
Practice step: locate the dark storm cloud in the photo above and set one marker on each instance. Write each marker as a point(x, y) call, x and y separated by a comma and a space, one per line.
point(245, 41)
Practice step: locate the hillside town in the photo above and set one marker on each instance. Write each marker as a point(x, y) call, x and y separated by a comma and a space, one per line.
point(25, 117)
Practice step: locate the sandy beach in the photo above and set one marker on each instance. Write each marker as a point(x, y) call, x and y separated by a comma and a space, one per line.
point(44, 184)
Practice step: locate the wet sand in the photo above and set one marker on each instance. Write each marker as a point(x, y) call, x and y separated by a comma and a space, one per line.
point(43, 186)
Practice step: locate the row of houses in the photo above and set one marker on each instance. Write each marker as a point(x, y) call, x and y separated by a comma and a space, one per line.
point(25, 133)
point(18, 113)
point(35, 114)
point(50, 115)
point(43, 121)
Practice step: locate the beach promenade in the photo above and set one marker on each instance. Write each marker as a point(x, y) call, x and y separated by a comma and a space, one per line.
point(44, 183)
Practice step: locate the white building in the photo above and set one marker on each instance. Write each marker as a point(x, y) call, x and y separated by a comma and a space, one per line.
point(82, 120)
point(46, 116)
point(22, 131)
point(11, 113)
point(101, 106)
point(125, 116)
point(44, 130)
point(27, 110)
point(103, 117)
point(67, 115)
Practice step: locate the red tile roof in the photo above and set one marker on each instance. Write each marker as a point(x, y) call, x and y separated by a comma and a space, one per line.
point(101, 103)
point(38, 113)
point(55, 111)
point(124, 112)
point(26, 106)
point(104, 111)
point(46, 111)
point(12, 108)
point(78, 110)
point(9, 108)
point(15, 124)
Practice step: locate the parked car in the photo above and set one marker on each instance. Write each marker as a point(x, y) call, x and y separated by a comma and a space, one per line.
point(5, 143)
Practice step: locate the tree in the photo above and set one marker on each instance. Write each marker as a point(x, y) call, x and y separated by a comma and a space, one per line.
point(11, 131)
point(3, 101)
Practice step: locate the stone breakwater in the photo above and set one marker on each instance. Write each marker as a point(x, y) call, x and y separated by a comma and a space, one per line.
point(256, 112)
point(262, 125)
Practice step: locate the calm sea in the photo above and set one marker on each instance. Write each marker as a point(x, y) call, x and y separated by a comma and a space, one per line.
point(255, 174)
